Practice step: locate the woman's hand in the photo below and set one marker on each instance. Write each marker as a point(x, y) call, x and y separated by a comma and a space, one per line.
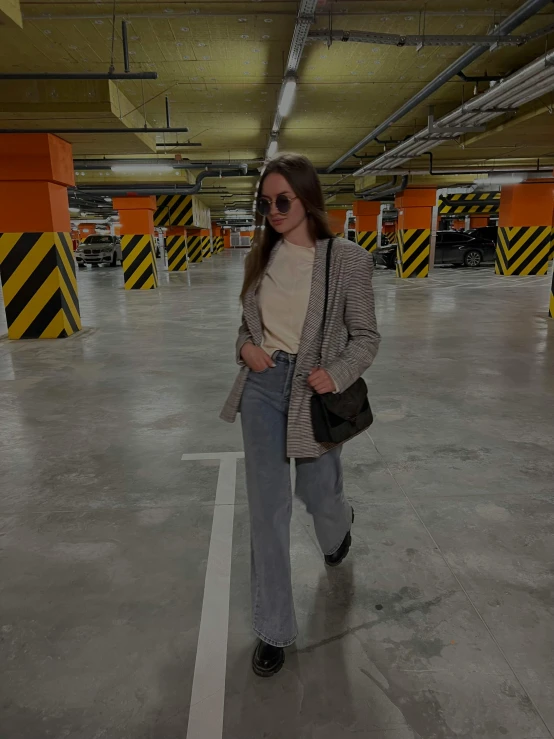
point(321, 381)
point(255, 358)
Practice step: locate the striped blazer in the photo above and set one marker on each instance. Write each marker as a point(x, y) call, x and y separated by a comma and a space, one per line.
point(349, 346)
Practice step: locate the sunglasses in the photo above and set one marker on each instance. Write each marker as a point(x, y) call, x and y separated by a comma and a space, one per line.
point(282, 203)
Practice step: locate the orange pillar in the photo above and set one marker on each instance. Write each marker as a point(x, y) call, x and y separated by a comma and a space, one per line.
point(524, 244)
point(217, 238)
point(367, 217)
point(226, 238)
point(177, 253)
point(136, 216)
point(478, 221)
point(37, 267)
point(337, 219)
point(415, 212)
point(206, 243)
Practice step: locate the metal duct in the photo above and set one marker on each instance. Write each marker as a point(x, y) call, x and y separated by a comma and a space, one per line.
point(103, 164)
point(154, 189)
point(389, 191)
point(527, 10)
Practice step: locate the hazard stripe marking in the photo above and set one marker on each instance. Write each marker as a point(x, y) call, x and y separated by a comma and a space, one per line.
point(39, 285)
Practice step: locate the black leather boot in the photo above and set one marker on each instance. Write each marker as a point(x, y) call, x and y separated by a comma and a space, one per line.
point(332, 560)
point(267, 660)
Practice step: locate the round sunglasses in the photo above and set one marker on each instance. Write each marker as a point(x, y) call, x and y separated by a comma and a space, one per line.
point(282, 203)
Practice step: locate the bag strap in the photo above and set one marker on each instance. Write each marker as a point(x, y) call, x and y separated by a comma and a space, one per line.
point(326, 301)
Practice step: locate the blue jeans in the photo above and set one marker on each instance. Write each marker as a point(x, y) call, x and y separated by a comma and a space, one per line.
point(264, 411)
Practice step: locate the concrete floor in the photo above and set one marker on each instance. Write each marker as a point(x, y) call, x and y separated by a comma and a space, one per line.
point(439, 624)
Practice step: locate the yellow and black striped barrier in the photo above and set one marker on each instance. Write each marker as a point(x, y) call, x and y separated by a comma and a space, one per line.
point(551, 304)
point(140, 270)
point(219, 244)
point(195, 248)
point(176, 253)
point(174, 210)
point(412, 254)
point(39, 285)
point(206, 250)
point(469, 202)
point(367, 239)
point(523, 250)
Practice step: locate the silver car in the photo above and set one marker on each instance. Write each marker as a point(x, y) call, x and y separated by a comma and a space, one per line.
point(99, 249)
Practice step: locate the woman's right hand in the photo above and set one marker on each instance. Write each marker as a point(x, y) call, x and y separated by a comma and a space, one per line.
point(255, 358)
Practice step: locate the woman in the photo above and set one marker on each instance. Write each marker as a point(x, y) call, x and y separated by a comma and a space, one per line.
point(278, 349)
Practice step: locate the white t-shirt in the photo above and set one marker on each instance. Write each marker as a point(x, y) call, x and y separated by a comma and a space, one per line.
point(283, 297)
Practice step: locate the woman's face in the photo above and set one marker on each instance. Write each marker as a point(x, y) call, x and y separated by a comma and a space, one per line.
point(276, 185)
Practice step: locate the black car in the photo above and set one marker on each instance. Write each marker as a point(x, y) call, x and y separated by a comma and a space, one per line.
point(451, 247)
point(460, 247)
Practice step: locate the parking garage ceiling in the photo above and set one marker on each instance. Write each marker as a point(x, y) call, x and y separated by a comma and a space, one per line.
point(221, 66)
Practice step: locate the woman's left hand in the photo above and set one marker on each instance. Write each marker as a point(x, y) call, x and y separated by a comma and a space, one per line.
point(320, 381)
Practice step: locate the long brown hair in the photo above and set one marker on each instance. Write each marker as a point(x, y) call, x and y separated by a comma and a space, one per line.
point(301, 175)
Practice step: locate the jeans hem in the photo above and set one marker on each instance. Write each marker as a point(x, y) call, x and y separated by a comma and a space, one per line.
point(274, 643)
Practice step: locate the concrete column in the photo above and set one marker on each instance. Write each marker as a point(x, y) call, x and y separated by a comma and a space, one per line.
point(217, 238)
point(37, 267)
point(177, 253)
point(206, 244)
point(524, 245)
point(337, 220)
point(136, 215)
point(415, 213)
point(367, 214)
point(194, 245)
point(478, 221)
point(226, 238)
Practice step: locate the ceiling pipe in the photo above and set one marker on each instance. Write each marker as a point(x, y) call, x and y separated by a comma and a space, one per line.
point(376, 188)
point(154, 189)
point(61, 131)
point(523, 13)
point(125, 41)
point(78, 76)
point(521, 87)
point(389, 191)
point(106, 164)
point(419, 40)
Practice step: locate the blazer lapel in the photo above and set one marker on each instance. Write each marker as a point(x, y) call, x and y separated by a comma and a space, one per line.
point(314, 316)
point(251, 308)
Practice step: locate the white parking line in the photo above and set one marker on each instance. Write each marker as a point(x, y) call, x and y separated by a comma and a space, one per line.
point(208, 686)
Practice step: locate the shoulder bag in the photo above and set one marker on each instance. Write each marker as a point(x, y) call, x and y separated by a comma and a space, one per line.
point(337, 417)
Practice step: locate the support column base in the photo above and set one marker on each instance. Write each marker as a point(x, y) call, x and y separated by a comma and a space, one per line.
point(523, 250)
point(39, 285)
point(412, 255)
point(194, 248)
point(177, 257)
point(367, 240)
point(140, 270)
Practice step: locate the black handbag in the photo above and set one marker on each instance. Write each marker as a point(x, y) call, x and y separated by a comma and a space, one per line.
point(337, 417)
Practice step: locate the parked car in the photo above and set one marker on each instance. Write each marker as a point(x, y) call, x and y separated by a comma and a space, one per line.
point(489, 233)
point(451, 247)
point(459, 247)
point(99, 249)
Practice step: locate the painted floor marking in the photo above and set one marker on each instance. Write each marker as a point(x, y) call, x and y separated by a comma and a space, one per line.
point(208, 685)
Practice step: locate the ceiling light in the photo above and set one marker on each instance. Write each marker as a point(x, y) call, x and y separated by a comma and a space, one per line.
point(501, 179)
point(287, 97)
point(77, 211)
point(135, 168)
point(272, 149)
